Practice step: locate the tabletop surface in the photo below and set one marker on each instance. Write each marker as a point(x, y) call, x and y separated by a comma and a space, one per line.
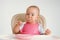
point(28, 37)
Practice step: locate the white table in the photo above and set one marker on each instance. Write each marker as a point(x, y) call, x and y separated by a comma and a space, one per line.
point(28, 37)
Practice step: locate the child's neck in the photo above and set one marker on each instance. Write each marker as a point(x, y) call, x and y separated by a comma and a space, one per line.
point(32, 22)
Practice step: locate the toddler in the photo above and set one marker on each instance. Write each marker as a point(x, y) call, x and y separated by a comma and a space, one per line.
point(31, 26)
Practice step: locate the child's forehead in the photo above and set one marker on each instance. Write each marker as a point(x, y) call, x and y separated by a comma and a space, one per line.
point(32, 8)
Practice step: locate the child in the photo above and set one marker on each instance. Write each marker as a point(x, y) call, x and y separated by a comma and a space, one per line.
point(31, 26)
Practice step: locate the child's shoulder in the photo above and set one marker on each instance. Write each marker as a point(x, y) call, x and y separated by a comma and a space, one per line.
point(22, 25)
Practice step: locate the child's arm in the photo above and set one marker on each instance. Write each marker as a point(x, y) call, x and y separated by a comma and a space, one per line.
point(47, 32)
point(43, 31)
point(16, 28)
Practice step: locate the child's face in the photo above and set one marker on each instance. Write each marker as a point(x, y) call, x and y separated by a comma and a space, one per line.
point(32, 15)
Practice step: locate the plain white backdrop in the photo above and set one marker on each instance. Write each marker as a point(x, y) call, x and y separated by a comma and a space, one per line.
point(50, 9)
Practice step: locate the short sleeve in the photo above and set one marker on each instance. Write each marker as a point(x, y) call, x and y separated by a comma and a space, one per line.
point(22, 25)
point(41, 29)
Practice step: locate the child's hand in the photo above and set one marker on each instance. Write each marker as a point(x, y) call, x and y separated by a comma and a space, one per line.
point(19, 22)
point(17, 27)
point(47, 32)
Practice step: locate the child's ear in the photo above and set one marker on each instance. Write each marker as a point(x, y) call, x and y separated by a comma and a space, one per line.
point(38, 16)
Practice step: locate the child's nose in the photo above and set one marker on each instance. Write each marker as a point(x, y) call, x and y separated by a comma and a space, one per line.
point(29, 16)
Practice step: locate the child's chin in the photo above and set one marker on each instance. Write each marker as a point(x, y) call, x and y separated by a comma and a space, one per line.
point(29, 21)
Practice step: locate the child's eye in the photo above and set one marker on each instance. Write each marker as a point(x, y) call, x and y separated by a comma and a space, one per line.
point(32, 14)
point(27, 14)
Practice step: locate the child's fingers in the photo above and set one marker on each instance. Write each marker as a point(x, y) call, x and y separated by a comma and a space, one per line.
point(47, 31)
point(18, 22)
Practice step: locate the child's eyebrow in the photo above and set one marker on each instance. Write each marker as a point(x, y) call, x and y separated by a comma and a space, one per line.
point(30, 14)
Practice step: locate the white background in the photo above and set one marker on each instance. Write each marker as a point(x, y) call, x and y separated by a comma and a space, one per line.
point(50, 9)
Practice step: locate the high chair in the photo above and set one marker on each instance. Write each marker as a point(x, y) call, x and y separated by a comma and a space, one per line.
point(21, 16)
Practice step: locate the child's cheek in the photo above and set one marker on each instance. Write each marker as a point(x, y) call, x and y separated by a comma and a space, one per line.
point(26, 17)
point(35, 18)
